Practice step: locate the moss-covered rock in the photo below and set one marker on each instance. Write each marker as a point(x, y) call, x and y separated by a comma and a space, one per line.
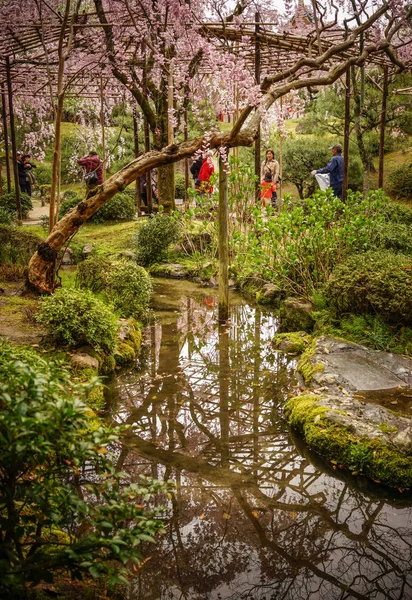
point(124, 354)
point(108, 364)
point(271, 294)
point(372, 456)
point(292, 343)
point(307, 367)
point(295, 315)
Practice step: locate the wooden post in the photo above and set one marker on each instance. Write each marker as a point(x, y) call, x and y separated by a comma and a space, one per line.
point(13, 140)
point(102, 127)
point(257, 79)
point(186, 137)
point(138, 198)
point(223, 244)
point(383, 123)
point(146, 134)
point(346, 139)
point(279, 191)
point(6, 137)
point(170, 132)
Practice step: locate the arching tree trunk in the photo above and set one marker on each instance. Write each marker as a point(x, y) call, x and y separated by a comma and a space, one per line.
point(42, 263)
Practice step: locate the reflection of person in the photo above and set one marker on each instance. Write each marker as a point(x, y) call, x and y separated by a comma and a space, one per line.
point(195, 169)
point(335, 170)
point(28, 174)
point(270, 165)
point(268, 190)
point(205, 173)
point(92, 163)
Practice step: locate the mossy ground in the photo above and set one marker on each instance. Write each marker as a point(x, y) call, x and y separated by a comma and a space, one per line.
point(372, 457)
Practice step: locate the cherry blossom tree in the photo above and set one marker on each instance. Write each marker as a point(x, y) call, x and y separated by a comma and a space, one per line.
point(181, 37)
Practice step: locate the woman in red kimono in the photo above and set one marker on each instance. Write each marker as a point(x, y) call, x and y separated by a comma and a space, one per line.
point(205, 173)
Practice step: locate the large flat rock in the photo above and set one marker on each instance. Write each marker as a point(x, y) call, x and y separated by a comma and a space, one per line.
point(358, 368)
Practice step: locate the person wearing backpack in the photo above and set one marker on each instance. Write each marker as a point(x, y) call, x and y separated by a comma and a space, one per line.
point(94, 169)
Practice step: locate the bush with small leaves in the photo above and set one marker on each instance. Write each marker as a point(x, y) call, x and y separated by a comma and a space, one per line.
point(7, 217)
point(79, 527)
point(377, 281)
point(180, 185)
point(396, 237)
point(92, 273)
point(69, 202)
point(155, 236)
point(129, 288)
point(400, 181)
point(17, 245)
point(43, 174)
point(9, 203)
point(77, 317)
point(121, 207)
point(398, 213)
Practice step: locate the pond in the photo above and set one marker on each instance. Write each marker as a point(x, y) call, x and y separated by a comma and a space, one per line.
point(255, 515)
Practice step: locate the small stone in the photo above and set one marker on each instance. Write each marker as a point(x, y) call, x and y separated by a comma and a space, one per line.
point(84, 361)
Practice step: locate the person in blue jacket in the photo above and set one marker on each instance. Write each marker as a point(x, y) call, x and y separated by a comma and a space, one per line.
point(335, 170)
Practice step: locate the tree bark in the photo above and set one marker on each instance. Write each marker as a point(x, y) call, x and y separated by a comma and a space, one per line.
point(41, 266)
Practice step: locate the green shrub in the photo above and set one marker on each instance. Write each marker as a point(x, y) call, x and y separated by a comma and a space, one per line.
point(400, 181)
point(77, 317)
point(7, 217)
point(398, 213)
point(43, 174)
point(68, 203)
point(17, 245)
point(396, 236)
point(92, 273)
point(70, 194)
point(180, 185)
point(8, 202)
point(155, 236)
point(300, 248)
point(129, 288)
point(379, 282)
point(78, 527)
point(119, 208)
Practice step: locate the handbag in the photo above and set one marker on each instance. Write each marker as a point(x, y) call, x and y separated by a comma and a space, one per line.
point(91, 178)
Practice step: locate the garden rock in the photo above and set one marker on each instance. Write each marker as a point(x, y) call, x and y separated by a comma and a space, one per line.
point(170, 270)
point(81, 360)
point(270, 294)
point(295, 315)
point(87, 249)
point(68, 258)
point(344, 419)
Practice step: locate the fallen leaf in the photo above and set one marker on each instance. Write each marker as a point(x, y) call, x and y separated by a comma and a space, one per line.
point(226, 516)
point(255, 514)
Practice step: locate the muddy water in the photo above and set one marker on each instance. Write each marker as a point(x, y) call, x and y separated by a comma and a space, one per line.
point(255, 515)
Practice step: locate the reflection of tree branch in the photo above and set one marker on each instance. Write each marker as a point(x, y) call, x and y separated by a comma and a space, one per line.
point(294, 562)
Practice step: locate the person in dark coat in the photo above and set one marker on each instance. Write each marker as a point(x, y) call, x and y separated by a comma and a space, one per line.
point(335, 170)
point(28, 167)
point(92, 163)
point(22, 173)
point(195, 169)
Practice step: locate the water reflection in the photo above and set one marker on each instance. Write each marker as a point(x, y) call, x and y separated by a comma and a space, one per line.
point(253, 517)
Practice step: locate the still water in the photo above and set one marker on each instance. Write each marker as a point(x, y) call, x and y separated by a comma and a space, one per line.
point(255, 516)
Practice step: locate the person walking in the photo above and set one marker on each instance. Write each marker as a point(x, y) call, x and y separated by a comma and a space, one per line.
point(205, 173)
point(335, 170)
point(195, 170)
point(270, 165)
point(94, 168)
